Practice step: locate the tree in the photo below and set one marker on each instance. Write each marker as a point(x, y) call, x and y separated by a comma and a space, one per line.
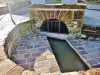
point(8, 3)
point(9, 7)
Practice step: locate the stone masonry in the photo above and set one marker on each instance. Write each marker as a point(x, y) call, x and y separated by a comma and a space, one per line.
point(34, 52)
point(7, 67)
point(90, 50)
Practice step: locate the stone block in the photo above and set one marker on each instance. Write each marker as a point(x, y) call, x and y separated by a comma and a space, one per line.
point(95, 71)
point(94, 55)
point(47, 52)
point(15, 71)
point(93, 62)
point(36, 70)
point(36, 54)
point(87, 57)
point(48, 48)
point(15, 52)
point(96, 66)
point(81, 73)
point(27, 55)
point(32, 51)
point(18, 56)
point(50, 56)
point(41, 49)
point(83, 52)
point(21, 48)
point(31, 59)
point(44, 69)
point(54, 69)
point(41, 58)
point(5, 66)
point(38, 64)
point(29, 47)
point(89, 51)
point(26, 66)
point(27, 72)
point(22, 61)
point(22, 52)
point(53, 62)
point(79, 48)
point(37, 46)
point(45, 45)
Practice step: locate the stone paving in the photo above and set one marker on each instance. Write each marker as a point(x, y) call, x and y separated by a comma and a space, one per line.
point(46, 63)
point(90, 50)
point(7, 67)
point(34, 52)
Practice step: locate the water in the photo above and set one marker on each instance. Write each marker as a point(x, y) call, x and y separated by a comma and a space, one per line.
point(66, 57)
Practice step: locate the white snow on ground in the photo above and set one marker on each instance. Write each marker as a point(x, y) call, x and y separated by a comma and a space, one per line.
point(6, 25)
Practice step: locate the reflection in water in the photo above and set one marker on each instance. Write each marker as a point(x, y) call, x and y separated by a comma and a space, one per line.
point(67, 59)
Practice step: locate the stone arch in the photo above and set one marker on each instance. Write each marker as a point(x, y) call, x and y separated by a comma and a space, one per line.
point(54, 25)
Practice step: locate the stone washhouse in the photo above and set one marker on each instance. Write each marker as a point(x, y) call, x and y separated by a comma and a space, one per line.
point(26, 50)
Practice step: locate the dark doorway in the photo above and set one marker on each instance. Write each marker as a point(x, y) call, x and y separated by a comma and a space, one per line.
point(54, 25)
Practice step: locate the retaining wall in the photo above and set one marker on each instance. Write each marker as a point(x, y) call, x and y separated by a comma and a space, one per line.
point(14, 36)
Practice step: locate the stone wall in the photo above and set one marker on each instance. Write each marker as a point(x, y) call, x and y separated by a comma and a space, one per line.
point(14, 36)
point(65, 13)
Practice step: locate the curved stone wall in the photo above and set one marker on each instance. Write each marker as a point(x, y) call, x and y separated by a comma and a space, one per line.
point(15, 35)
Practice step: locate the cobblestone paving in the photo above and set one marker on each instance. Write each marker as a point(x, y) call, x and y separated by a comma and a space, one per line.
point(89, 49)
point(29, 48)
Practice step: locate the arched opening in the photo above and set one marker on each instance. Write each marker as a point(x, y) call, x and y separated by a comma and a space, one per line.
point(54, 25)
